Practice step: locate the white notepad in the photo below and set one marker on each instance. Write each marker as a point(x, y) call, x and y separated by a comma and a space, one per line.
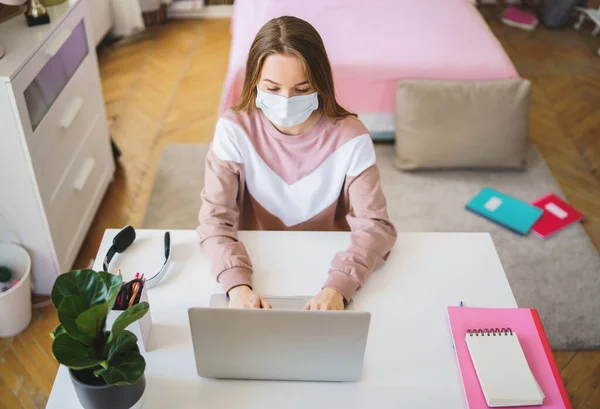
point(503, 372)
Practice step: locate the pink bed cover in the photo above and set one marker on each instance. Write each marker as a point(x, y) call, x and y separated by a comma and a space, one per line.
point(374, 44)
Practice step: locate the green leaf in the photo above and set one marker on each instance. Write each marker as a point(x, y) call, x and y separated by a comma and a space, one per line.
point(73, 354)
point(124, 369)
point(103, 366)
point(125, 364)
point(57, 331)
point(92, 321)
point(128, 316)
point(90, 286)
point(113, 283)
point(124, 344)
point(69, 309)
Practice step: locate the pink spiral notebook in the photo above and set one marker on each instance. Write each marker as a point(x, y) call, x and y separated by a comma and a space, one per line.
point(532, 337)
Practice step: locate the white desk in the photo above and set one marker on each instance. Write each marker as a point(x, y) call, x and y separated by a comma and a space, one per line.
point(409, 360)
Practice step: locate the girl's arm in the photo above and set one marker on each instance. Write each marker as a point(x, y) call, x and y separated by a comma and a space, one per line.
point(373, 235)
point(218, 218)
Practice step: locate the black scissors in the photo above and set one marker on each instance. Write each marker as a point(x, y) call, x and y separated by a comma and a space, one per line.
point(126, 292)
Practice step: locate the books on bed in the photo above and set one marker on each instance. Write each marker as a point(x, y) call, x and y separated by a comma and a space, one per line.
point(505, 359)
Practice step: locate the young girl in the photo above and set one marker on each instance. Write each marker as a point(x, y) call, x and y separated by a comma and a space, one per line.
point(289, 157)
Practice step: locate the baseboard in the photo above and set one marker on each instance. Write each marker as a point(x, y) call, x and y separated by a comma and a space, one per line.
point(189, 9)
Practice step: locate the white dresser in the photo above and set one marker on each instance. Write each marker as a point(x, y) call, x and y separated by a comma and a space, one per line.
point(55, 155)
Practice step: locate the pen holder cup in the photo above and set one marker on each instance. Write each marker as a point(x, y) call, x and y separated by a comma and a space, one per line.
point(140, 328)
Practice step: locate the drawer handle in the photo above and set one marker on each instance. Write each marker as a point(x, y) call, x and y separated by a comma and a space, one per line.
point(84, 174)
point(71, 112)
point(57, 41)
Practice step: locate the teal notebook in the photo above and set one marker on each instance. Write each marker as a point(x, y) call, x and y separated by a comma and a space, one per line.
point(507, 211)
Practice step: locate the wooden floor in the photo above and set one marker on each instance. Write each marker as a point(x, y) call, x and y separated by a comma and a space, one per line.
point(166, 90)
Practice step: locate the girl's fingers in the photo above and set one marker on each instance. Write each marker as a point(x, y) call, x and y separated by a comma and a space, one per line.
point(265, 304)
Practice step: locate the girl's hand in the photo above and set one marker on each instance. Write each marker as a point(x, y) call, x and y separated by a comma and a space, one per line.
point(244, 297)
point(327, 299)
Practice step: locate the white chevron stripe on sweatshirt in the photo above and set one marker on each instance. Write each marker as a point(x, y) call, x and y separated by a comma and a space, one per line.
point(307, 197)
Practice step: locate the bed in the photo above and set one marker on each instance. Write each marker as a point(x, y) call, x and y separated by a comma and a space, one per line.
point(374, 44)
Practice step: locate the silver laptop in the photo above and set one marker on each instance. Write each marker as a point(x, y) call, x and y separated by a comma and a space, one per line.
point(285, 343)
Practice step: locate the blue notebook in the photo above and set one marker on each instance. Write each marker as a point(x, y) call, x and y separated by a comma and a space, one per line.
point(507, 211)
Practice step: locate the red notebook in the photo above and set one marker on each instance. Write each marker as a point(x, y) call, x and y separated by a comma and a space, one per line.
point(518, 18)
point(557, 215)
point(526, 325)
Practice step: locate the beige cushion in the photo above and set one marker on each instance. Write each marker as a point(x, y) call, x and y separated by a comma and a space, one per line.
point(441, 124)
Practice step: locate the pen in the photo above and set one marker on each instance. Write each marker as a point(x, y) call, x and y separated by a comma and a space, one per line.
point(460, 305)
point(136, 288)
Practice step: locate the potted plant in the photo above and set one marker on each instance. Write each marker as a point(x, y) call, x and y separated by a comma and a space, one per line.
point(106, 367)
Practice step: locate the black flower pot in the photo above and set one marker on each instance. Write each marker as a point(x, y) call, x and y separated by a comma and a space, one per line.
point(94, 394)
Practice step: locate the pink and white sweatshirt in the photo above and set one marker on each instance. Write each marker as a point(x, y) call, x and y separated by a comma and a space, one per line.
point(258, 178)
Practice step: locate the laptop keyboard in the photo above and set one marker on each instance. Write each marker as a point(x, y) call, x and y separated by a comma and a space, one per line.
point(287, 303)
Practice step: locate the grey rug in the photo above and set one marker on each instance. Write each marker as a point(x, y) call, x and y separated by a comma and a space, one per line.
point(559, 276)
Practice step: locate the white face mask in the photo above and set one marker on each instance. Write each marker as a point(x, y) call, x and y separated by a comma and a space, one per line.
point(284, 111)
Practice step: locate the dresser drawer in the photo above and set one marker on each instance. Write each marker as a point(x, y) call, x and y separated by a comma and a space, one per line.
point(55, 141)
point(47, 73)
point(79, 192)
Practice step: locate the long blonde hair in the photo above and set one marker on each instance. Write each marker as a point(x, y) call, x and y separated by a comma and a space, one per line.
point(291, 35)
